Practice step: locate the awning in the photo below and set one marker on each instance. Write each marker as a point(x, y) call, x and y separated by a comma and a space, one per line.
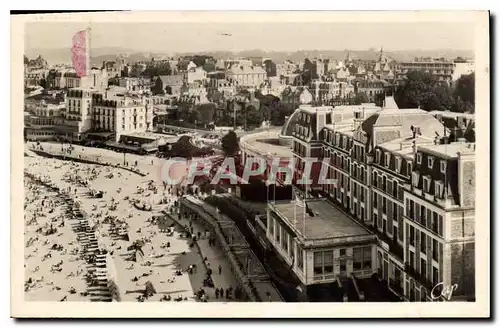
point(121, 146)
point(100, 135)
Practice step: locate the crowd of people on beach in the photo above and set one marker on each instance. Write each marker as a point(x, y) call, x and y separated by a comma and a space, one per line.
point(103, 221)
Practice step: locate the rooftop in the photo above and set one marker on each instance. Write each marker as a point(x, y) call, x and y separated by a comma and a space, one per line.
point(262, 142)
point(328, 222)
point(149, 135)
point(451, 150)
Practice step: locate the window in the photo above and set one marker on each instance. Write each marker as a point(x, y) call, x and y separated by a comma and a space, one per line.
point(423, 243)
point(442, 166)
point(387, 159)
point(435, 250)
point(278, 233)
point(300, 258)
point(423, 268)
point(408, 169)
point(440, 225)
point(284, 240)
point(419, 158)
point(342, 267)
point(318, 262)
point(271, 226)
point(435, 276)
point(430, 162)
point(426, 184)
point(377, 155)
point(438, 190)
point(412, 236)
point(397, 164)
point(357, 262)
point(375, 176)
point(434, 223)
point(423, 219)
point(342, 252)
point(414, 179)
point(367, 258)
point(328, 262)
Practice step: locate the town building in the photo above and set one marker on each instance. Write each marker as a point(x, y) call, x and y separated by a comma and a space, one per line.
point(398, 175)
point(439, 222)
point(247, 76)
point(121, 114)
point(295, 96)
point(325, 91)
point(196, 74)
point(78, 114)
point(168, 84)
point(135, 85)
point(372, 88)
point(324, 249)
point(441, 68)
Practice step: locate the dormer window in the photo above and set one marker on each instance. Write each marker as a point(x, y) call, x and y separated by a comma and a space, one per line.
point(442, 166)
point(387, 159)
point(377, 154)
point(438, 189)
point(419, 158)
point(397, 164)
point(430, 162)
point(408, 168)
point(426, 184)
point(414, 178)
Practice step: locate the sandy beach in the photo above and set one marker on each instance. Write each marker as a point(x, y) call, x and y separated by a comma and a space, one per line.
point(115, 201)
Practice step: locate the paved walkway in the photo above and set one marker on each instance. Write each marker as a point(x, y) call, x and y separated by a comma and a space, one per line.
point(215, 258)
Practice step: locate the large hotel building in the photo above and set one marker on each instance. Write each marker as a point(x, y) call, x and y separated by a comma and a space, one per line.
point(403, 205)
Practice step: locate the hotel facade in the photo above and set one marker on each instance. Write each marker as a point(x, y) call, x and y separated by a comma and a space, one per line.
point(399, 177)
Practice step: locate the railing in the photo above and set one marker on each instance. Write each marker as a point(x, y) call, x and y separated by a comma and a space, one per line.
point(213, 217)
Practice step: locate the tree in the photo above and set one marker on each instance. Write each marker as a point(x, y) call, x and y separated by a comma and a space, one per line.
point(465, 88)
point(253, 116)
point(206, 113)
point(361, 98)
point(215, 96)
point(230, 143)
point(464, 94)
point(422, 90)
point(26, 60)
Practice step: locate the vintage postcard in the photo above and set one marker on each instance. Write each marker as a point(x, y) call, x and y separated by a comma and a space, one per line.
point(250, 164)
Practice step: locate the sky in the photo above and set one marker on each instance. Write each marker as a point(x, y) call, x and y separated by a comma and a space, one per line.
point(281, 36)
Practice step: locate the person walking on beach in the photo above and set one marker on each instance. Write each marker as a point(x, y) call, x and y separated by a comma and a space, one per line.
point(220, 269)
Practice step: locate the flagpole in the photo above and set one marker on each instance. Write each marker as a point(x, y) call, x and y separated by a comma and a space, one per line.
point(304, 217)
point(294, 209)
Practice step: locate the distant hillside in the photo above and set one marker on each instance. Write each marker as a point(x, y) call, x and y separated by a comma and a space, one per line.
point(54, 56)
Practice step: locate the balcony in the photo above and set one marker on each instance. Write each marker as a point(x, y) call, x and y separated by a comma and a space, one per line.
point(418, 277)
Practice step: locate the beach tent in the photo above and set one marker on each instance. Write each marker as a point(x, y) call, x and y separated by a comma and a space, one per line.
point(150, 289)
